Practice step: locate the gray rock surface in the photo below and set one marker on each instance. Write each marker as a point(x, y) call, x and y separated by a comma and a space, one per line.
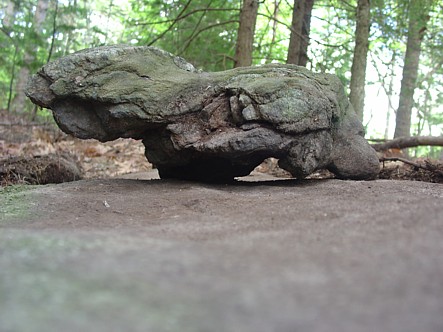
point(206, 126)
point(178, 256)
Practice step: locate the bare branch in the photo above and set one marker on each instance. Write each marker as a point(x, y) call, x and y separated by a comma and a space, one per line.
point(409, 142)
point(204, 29)
point(403, 160)
point(178, 18)
point(191, 38)
point(172, 24)
point(312, 39)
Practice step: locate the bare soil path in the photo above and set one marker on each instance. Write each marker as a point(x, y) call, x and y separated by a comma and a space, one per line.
point(282, 255)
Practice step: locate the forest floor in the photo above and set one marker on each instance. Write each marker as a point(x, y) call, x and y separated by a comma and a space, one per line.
point(123, 250)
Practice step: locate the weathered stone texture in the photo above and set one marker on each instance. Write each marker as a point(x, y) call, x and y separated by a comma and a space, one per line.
point(206, 126)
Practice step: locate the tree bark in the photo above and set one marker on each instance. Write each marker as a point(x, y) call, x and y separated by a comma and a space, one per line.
point(306, 29)
point(296, 37)
point(418, 17)
point(246, 30)
point(358, 70)
point(300, 29)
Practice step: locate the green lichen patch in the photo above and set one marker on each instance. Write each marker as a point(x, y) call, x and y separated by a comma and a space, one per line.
point(15, 202)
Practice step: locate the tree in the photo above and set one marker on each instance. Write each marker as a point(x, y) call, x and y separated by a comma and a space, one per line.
point(295, 40)
point(418, 17)
point(245, 37)
point(18, 103)
point(306, 29)
point(7, 24)
point(359, 61)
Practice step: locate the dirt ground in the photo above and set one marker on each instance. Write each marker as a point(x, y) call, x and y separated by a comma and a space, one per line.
point(130, 252)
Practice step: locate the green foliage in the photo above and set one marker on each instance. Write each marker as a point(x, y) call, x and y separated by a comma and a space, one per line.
point(332, 35)
point(204, 32)
point(272, 32)
point(68, 26)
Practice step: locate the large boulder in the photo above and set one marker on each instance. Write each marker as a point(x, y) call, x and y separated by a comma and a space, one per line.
point(206, 126)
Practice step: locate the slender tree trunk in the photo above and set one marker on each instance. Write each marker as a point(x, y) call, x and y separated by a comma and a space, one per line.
point(19, 102)
point(7, 22)
point(296, 37)
point(306, 29)
point(389, 93)
point(246, 30)
point(300, 29)
point(8, 19)
point(274, 30)
point(418, 17)
point(69, 20)
point(358, 70)
point(54, 32)
point(108, 19)
point(389, 108)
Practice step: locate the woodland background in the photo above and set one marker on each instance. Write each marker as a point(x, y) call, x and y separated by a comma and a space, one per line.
point(387, 53)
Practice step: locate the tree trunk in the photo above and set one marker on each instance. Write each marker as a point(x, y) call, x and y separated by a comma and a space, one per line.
point(389, 93)
point(300, 29)
point(358, 70)
point(245, 38)
point(274, 29)
point(69, 20)
point(54, 31)
point(8, 19)
point(296, 37)
point(306, 29)
point(418, 17)
point(19, 102)
point(7, 23)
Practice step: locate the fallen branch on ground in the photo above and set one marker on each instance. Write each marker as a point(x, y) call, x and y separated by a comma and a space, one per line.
point(409, 142)
point(403, 160)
